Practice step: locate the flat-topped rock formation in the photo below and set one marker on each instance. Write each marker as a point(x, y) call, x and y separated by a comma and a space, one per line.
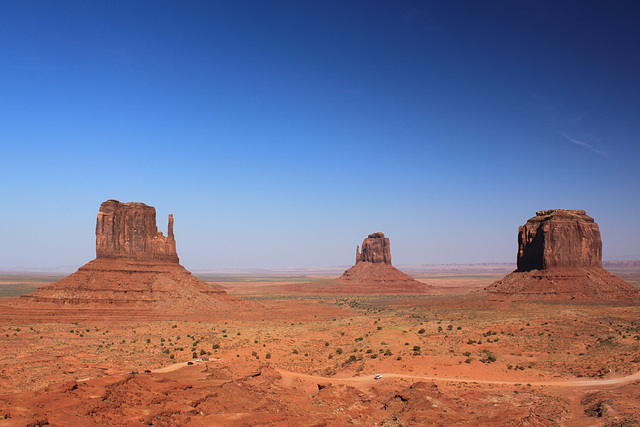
point(375, 248)
point(128, 230)
point(560, 258)
point(372, 274)
point(559, 238)
point(135, 265)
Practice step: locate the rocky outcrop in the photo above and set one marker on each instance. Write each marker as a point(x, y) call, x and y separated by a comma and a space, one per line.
point(135, 265)
point(374, 274)
point(128, 230)
point(559, 238)
point(375, 248)
point(560, 258)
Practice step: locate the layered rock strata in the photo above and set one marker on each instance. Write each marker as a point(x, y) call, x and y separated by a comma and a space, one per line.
point(135, 265)
point(560, 258)
point(375, 248)
point(128, 230)
point(373, 272)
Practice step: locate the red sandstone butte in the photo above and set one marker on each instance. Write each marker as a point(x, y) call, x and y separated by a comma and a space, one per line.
point(560, 258)
point(372, 274)
point(375, 249)
point(135, 264)
point(128, 230)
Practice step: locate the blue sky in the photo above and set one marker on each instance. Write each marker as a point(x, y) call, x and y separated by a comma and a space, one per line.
point(281, 133)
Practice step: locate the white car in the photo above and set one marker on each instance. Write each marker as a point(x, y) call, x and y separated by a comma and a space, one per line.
point(377, 377)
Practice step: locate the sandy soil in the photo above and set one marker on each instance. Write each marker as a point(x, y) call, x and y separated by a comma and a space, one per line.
point(309, 360)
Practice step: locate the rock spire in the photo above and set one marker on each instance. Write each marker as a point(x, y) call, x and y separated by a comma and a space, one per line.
point(128, 230)
point(135, 265)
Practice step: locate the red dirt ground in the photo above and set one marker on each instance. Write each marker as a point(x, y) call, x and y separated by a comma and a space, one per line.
point(288, 359)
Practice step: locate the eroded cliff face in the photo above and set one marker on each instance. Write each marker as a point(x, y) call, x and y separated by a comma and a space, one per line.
point(373, 272)
point(375, 248)
point(560, 258)
point(559, 238)
point(128, 230)
point(135, 265)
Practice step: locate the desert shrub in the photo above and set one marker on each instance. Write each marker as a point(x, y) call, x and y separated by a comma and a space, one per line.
point(388, 353)
point(295, 351)
point(330, 356)
point(326, 344)
point(194, 354)
point(172, 356)
point(379, 328)
point(459, 328)
point(338, 351)
point(369, 351)
point(148, 340)
point(449, 327)
point(470, 341)
point(489, 357)
point(468, 360)
point(439, 328)
point(268, 356)
point(422, 331)
point(466, 353)
point(416, 349)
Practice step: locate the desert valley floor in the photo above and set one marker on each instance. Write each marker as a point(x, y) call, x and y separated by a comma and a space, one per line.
point(284, 356)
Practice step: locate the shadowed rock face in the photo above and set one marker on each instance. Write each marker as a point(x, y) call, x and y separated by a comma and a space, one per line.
point(560, 258)
point(128, 230)
point(559, 238)
point(375, 248)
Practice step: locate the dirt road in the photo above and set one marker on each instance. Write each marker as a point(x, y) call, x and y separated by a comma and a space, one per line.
point(288, 376)
point(369, 379)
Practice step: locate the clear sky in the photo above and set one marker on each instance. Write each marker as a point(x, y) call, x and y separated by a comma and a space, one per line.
point(282, 133)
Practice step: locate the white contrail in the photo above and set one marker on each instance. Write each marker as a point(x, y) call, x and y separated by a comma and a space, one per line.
point(583, 144)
